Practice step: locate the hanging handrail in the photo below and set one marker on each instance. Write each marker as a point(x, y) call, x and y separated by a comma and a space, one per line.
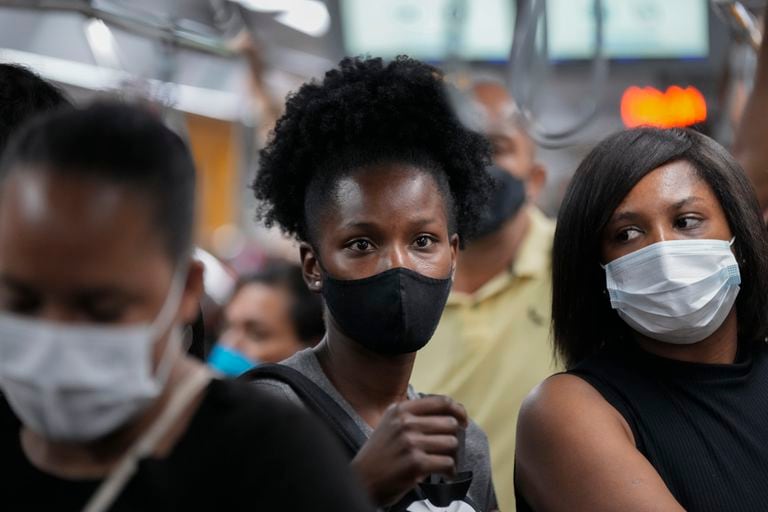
point(148, 26)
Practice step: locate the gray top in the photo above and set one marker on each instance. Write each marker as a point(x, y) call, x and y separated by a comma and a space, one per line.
point(476, 458)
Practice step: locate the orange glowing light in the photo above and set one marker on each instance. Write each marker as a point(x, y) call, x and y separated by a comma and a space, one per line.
point(648, 106)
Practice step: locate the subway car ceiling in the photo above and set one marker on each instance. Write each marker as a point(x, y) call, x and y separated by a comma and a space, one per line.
point(182, 52)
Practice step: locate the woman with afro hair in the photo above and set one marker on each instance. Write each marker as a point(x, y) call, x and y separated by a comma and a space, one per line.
point(375, 176)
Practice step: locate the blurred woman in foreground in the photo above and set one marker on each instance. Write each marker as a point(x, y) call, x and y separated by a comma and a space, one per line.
point(101, 408)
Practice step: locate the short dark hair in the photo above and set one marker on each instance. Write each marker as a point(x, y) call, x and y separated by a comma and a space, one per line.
point(24, 95)
point(118, 144)
point(306, 308)
point(364, 113)
point(583, 320)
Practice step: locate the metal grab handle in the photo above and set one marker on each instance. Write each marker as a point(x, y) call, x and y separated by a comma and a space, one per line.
point(528, 14)
point(741, 21)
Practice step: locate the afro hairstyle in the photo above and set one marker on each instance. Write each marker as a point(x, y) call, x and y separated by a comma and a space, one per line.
point(364, 113)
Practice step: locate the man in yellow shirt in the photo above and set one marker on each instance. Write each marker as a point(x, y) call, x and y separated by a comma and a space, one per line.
point(492, 345)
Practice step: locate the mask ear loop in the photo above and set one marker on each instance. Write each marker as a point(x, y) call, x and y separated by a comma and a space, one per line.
point(172, 345)
point(172, 302)
point(743, 260)
point(187, 338)
point(163, 320)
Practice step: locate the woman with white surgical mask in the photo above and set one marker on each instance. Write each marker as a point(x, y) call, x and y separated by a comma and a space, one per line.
point(100, 408)
point(660, 289)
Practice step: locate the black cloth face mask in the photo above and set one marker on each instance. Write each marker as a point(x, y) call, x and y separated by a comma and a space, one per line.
point(507, 199)
point(394, 312)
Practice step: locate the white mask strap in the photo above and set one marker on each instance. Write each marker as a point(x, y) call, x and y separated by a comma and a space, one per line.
point(164, 319)
point(172, 301)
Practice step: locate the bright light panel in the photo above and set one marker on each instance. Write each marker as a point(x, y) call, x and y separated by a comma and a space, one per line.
point(633, 29)
point(422, 29)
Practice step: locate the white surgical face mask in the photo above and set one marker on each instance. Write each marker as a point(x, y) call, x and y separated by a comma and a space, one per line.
point(679, 291)
point(80, 382)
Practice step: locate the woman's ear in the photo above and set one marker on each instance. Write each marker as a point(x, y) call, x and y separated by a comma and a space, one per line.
point(535, 182)
point(310, 267)
point(193, 292)
point(455, 243)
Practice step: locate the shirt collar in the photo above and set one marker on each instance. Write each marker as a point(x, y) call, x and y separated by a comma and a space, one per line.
point(533, 261)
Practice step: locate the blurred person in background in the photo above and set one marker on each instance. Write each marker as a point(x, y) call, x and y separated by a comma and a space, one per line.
point(100, 408)
point(372, 171)
point(749, 145)
point(660, 290)
point(492, 345)
point(271, 316)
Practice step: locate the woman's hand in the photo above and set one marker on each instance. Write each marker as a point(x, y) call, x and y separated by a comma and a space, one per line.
point(414, 439)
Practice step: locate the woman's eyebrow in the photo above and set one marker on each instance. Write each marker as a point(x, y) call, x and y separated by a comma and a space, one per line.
point(685, 202)
point(623, 215)
point(371, 225)
point(104, 292)
point(677, 205)
point(15, 284)
point(360, 224)
point(422, 221)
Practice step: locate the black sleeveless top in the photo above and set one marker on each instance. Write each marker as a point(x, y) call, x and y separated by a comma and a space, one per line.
point(704, 427)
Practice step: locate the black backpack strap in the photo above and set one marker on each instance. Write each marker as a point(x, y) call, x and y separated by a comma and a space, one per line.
point(316, 400)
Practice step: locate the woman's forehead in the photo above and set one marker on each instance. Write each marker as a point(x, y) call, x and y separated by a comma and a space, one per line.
point(670, 183)
point(50, 221)
point(385, 193)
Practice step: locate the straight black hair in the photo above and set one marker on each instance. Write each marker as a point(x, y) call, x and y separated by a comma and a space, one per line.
point(24, 95)
point(118, 144)
point(582, 318)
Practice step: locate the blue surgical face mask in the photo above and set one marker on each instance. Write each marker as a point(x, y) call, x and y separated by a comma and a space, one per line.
point(677, 291)
point(229, 361)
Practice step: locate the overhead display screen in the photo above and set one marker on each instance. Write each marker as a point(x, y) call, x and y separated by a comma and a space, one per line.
point(424, 29)
point(632, 29)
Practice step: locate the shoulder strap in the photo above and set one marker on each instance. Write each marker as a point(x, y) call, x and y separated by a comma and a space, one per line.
point(183, 395)
point(317, 400)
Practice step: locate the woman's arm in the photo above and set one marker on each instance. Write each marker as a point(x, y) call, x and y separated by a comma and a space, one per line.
point(575, 453)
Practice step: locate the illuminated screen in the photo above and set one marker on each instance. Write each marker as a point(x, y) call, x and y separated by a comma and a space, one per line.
point(423, 28)
point(633, 29)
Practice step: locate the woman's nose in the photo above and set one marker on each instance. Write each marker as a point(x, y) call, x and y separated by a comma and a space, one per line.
point(661, 234)
point(398, 258)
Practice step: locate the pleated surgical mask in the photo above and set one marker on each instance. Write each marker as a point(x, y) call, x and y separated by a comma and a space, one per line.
point(677, 291)
point(79, 382)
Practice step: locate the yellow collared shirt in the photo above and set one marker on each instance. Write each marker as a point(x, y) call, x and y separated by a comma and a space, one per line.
point(492, 347)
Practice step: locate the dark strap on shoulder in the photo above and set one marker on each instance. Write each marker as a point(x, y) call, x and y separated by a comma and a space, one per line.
point(317, 400)
point(331, 413)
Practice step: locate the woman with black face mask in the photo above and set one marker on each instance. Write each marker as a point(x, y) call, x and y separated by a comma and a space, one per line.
point(372, 172)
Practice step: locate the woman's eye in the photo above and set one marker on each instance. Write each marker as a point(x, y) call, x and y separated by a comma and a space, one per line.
point(424, 241)
point(21, 306)
point(360, 245)
point(105, 315)
point(687, 222)
point(627, 235)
